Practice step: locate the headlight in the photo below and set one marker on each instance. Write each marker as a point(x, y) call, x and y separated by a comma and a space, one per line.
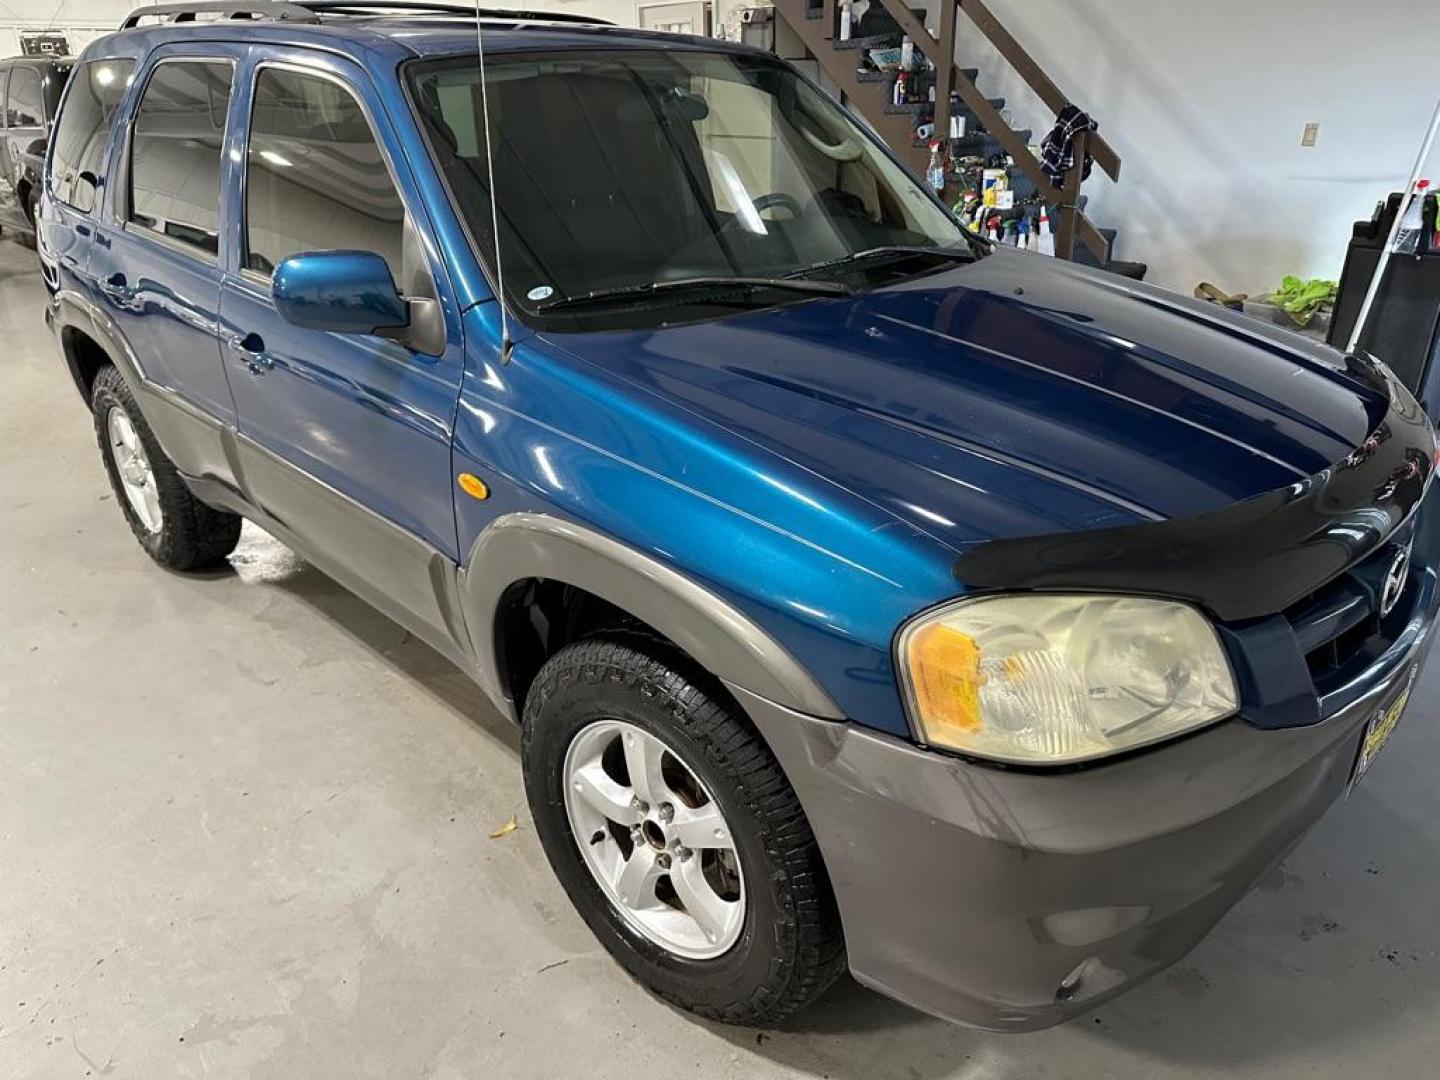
point(1044, 680)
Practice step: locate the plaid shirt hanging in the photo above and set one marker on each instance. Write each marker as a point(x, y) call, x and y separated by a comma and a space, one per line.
point(1057, 151)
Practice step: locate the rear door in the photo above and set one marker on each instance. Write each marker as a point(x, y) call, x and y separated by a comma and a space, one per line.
point(156, 262)
point(345, 437)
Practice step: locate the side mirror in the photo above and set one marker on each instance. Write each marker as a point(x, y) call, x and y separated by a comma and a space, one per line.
point(345, 292)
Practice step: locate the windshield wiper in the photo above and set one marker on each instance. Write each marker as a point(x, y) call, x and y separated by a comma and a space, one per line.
point(886, 252)
point(706, 287)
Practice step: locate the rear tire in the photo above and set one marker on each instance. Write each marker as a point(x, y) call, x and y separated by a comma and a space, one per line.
point(175, 528)
point(779, 929)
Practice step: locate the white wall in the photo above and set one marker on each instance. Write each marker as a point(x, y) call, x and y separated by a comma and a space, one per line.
point(1206, 101)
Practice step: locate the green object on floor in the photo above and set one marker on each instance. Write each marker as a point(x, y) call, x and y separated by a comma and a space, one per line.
point(1301, 300)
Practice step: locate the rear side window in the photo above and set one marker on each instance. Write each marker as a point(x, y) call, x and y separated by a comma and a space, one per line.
point(83, 129)
point(23, 108)
point(315, 179)
point(179, 130)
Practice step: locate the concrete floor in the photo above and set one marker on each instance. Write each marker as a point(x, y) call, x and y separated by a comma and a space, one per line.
point(244, 831)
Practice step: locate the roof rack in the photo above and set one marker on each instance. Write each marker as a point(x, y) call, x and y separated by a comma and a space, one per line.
point(279, 10)
point(286, 11)
point(464, 11)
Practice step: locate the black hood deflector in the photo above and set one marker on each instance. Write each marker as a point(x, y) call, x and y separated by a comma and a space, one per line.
point(1254, 558)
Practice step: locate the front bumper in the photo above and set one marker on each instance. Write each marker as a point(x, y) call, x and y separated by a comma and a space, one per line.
point(1013, 900)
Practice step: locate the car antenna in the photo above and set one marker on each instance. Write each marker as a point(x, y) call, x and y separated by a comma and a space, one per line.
point(506, 345)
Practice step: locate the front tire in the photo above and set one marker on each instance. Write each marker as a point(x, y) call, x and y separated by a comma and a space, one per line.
point(675, 833)
point(175, 528)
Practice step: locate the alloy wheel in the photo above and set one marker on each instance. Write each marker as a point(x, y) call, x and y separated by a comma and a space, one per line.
point(137, 478)
point(654, 839)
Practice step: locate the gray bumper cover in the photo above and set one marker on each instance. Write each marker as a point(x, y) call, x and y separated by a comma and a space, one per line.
point(1013, 900)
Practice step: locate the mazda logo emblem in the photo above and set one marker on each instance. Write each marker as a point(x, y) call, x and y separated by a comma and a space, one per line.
point(1394, 585)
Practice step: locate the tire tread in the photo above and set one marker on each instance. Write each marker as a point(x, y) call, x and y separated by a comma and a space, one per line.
point(192, 535)
point(814, 952)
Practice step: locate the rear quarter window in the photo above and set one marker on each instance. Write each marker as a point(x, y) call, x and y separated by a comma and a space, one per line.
point(23, 103)
point(83, 130)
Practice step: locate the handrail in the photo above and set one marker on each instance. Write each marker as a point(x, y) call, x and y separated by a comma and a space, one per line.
point(1034, 76)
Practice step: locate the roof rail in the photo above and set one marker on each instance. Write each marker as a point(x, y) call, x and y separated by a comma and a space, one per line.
point(221, 9)
point(286, 11)
point(464, 11)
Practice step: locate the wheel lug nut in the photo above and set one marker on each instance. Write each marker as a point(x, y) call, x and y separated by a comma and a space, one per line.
point(663, 861)
point(667, 812)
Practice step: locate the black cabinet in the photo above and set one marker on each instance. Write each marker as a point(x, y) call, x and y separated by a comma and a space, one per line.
point(1404, 326)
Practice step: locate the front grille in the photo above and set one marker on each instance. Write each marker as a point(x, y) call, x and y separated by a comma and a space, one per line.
point(1339, 626)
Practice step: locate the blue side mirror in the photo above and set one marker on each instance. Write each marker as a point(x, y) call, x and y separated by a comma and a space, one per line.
point(346, 292)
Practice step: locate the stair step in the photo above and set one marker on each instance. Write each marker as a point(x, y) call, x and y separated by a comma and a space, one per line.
point(878, 20)
point(874, 41)
point(1125, 268)
point(928, 105)
point(983, 144)
point(1134, 270)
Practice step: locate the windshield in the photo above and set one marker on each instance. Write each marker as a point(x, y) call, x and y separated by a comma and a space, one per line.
point(621, 170)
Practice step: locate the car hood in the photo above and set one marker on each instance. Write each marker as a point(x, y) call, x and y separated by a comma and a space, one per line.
point(1012, 396)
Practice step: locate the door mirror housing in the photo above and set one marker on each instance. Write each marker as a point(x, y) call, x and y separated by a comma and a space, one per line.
point(344, 292)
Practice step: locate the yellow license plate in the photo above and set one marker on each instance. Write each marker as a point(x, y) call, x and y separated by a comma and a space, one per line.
point(1380, 727)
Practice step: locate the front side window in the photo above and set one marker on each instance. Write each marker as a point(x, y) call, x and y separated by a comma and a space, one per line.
point(83, 129)
point(23, 109)
point(616, 171)
point(175, 152)
point(315, 178)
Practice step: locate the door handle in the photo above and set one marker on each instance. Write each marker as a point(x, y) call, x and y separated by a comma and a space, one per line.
point(249, 349)
point(117, 291)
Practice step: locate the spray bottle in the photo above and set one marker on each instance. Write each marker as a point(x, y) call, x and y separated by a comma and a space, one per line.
point(847, 19)
point(902, 89)
point(1407, 240)
point(935, 172)
point(1044, 239)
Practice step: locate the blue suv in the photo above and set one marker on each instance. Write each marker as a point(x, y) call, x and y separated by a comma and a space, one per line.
point(870, 596)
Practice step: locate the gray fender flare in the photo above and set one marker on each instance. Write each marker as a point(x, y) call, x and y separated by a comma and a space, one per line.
point(726, 642)
point(71, 310)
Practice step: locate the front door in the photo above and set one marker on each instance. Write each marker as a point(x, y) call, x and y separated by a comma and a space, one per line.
point(345, 438)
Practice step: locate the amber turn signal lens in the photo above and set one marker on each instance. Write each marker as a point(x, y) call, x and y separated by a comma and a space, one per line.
point(945, 673)
point(473, 486)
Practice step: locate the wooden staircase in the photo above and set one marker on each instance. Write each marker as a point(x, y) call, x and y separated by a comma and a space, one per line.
point(814, 31)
